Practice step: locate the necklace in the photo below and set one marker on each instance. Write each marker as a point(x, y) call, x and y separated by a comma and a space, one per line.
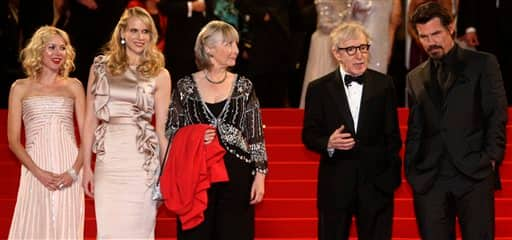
point(215, 82)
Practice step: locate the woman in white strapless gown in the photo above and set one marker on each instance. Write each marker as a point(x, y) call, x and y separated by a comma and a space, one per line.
point(50, 202)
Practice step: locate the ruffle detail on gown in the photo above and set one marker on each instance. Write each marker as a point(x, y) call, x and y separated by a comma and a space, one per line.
point(101, 92)
point(147, 141)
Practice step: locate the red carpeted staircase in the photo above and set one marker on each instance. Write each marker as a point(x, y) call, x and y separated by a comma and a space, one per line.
point(289, 209)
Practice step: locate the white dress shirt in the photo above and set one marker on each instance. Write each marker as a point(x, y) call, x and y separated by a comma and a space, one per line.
point(354, 93)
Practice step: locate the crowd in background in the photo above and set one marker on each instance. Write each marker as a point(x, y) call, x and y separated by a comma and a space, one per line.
point(275, 35)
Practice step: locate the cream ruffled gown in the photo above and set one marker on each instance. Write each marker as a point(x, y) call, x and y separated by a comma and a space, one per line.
point(127, 150)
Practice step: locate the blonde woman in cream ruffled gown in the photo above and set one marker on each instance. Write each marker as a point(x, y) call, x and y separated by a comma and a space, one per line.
point(128, 86)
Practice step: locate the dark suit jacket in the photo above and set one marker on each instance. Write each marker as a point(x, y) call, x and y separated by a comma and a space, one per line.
point(89, 30)
point(266, 43)
point(470, 122)
point(180, 36)
point(470, 14)
point(375, 157)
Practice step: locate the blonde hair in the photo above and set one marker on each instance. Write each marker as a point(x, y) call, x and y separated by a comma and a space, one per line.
point(210, 34)
point(115, 52)
point(31, 56)
point(348, 31)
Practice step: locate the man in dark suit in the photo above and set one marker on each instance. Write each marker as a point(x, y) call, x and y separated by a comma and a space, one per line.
point(185, 18)
point(484, 25)
point(351, 120)
point(89, 25)
point(456, 132)
point(265, 48)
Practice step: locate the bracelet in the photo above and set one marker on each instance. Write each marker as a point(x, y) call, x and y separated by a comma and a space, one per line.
point(73, 174)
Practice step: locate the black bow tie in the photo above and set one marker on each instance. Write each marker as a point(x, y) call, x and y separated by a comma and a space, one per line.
point(349, 79)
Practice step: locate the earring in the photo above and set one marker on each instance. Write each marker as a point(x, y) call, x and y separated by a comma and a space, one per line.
point(123, 42)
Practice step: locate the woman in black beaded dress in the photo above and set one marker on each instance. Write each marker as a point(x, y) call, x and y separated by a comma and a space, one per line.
point(227, 101)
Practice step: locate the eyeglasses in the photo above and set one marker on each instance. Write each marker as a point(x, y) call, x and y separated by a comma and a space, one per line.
point(351, 50)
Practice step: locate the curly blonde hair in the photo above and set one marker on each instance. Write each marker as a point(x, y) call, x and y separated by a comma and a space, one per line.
point(31, 56)
point(115, 52)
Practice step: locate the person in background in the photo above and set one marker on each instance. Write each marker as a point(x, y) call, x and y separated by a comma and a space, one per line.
point(89, 24)
point(32, 15)
point(128, 86)
point(50, 202)
point(380, 18)
point(159, 19)
point(330, 14)
point(456, 132)
point(488, 32)
point(227, 101)
point(184, 21)
point(351, 119)
point(266, 45)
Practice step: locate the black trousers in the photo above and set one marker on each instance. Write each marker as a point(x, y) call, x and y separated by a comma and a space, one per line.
point(372, 209)
point(228, 215)
point(469, 200)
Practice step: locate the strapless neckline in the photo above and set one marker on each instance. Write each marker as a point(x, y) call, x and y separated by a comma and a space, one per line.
point(46, 97)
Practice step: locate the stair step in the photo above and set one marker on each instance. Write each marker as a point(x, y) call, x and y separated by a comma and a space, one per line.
point(285, 227)
point(295, 117)
point(279, 208)
point(277, 188)
point(293, 134)
point(286, 161)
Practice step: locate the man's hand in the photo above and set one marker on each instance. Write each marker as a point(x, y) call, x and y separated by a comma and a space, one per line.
point(91, 4)
point(198, 6)
point(471, 39)
point(341, 140)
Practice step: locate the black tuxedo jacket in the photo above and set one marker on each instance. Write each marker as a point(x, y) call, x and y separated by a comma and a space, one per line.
point(470, 122)
point(375, 156)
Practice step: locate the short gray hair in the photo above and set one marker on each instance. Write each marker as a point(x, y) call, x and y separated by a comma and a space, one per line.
point(209, 35)
point(348, 31)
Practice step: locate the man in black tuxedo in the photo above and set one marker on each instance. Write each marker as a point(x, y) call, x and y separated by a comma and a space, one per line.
point(351, 120)
point(456, 132)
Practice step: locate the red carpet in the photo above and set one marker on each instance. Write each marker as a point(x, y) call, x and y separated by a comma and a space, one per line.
point(288, 211)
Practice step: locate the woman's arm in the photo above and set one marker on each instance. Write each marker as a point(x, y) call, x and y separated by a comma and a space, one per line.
point(79, 95)
point(68, 177)
point(162, 99)
point(89, 127)
point(256, 142)
point(14, 123)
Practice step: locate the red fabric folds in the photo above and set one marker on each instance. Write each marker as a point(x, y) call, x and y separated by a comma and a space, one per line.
point(190, 169)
